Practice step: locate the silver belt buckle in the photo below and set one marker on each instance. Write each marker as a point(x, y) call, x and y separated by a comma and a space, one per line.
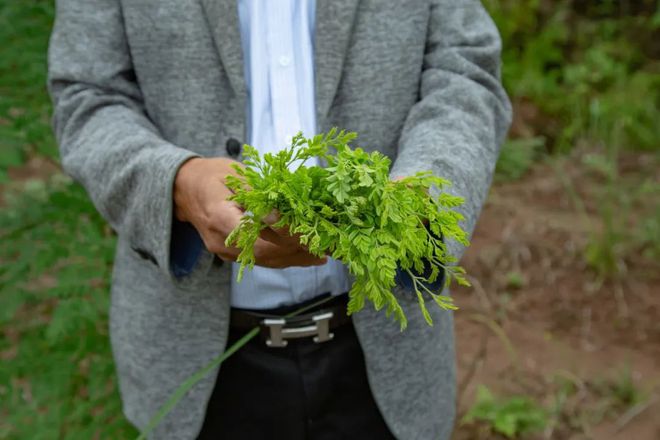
point(279, 334)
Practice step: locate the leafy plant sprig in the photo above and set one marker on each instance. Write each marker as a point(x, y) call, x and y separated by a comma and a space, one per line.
point(352, 211)
point(513, 417)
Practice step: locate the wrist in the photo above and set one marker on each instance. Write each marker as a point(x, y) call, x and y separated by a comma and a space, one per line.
point(183, 184)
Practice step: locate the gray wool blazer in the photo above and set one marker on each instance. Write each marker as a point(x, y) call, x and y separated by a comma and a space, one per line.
point(140, 86)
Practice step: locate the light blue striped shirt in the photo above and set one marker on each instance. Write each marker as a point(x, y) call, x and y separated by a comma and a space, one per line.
point(278, 47)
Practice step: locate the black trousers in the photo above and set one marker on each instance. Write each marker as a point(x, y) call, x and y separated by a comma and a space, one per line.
point(303, 391)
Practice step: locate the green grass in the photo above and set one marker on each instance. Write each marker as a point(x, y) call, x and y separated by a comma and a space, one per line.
point(57, 378)
point(57, 372)
point(24, 104)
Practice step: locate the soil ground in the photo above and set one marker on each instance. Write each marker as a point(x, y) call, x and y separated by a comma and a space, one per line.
point(537, 318)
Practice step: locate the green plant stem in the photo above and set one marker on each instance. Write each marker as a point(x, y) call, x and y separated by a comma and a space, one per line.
point(192, 380)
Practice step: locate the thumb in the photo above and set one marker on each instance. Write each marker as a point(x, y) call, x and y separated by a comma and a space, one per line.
point(283, 232)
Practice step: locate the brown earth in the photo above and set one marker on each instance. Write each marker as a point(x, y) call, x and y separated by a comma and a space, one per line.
point(539, 322)
point(35, 168)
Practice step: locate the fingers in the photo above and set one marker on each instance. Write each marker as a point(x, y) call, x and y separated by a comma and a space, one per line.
point(273, 256)
point(231, 170)
point(266, 250)
point(225, 217)
point(276, 248)
point(228, 254)
point(263, 250)
point(271, 236)
point(302, 259)
point(273, 218)
point(219, 222)
point(281, 236)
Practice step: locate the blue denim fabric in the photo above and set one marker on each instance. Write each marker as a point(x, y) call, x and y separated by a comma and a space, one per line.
point(185, 248)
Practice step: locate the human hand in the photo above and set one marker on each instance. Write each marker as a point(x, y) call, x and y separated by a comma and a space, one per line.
point(200, 197)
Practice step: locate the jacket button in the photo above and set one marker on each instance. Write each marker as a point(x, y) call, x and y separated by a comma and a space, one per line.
point(233, 147)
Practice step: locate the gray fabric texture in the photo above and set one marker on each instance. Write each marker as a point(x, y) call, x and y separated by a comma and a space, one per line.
point(141, 86)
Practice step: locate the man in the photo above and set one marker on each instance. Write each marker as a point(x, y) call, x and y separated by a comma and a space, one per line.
point(153, 99)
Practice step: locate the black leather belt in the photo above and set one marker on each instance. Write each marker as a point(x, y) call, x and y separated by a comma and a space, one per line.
point(276, 328)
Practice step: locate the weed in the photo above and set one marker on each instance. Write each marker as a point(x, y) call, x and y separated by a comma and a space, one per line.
point(515, 280)
point(621, 391)
point(578, 404)
point(624, 223)
point(513, 416)
point(517, 157)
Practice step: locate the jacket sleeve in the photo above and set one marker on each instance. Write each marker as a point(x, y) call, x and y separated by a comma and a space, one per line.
point(459, 123)
point(107, 142)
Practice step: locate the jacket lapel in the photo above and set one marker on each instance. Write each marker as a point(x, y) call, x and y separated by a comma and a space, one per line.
point(222, 20)
point(334, 24)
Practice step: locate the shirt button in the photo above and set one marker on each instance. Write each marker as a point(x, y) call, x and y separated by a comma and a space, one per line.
point(233, 147)
point(285, 61)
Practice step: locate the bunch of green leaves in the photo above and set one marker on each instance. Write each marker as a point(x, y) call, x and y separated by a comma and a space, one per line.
point(352, 211)
point(512, 417)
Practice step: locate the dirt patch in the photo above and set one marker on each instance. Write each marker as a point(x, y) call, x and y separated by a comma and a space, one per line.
point(36, 168)
point(538, 316)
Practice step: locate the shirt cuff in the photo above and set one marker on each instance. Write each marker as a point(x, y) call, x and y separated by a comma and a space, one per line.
point(186, 248)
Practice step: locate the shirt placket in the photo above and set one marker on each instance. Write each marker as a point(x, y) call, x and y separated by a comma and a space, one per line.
point(282, 77)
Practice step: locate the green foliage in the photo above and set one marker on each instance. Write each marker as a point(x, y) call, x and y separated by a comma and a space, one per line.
point(354, 212)
point(621, 391)
point(515, 280)
point(579, 403)
point(512, 417)
point(590, 67)
point(24, 104)
point(627, 214)
point(57, 376)
point(647, 235)
point(517, 157)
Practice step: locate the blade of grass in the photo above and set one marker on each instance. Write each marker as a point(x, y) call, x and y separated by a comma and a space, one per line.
point(192, 380)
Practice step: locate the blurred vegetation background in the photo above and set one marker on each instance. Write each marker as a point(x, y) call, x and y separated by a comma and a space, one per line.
point(579, 174)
